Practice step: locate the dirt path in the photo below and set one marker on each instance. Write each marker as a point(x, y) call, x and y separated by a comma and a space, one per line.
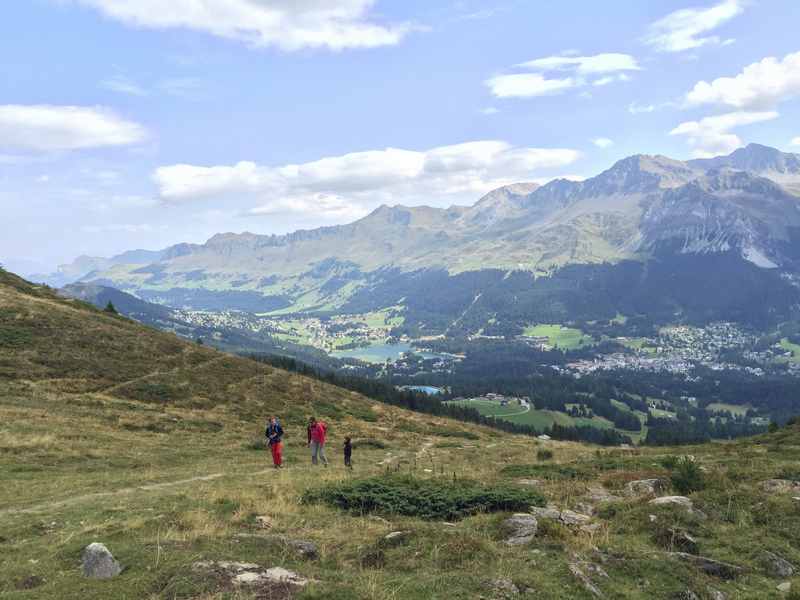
point(116, 386)
point(121, 492)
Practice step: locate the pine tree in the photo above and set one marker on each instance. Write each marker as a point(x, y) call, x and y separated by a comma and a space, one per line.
point(110, 308)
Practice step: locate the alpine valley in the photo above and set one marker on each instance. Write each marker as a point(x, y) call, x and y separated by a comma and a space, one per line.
point(650, 238)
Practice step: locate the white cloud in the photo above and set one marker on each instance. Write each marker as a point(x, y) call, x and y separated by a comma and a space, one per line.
point(584, 65)
point(690, 27)
point(287, 24)
point(711, 136)
point(603, 142)
point(573, 71)
point(527, 85)
point(123, 85)
point(344, 187)
point(760, 85)
point(796, 141)
point(44, 128)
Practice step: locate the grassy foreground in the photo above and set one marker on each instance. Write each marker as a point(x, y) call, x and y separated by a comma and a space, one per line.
point(113, 433)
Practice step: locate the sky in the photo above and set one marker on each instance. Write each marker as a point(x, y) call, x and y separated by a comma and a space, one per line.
point(130, 124)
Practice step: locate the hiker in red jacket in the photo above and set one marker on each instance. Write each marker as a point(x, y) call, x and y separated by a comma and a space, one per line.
point(316, 440)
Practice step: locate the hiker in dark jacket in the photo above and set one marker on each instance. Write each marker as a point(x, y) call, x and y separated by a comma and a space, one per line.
point(348, 452)
point(274, 435)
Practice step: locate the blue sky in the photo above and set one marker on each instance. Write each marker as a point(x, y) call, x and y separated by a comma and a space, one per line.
point(125, 124)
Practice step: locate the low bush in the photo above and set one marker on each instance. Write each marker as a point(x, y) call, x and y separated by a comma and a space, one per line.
point(435, 499)
point(544, 454)
point(687, 477)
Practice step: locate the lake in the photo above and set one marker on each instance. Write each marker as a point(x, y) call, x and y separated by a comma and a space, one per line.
point(427, 389)
point(380, 353)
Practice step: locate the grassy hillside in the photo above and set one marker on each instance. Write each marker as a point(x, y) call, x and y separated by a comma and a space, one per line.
point(114, 433)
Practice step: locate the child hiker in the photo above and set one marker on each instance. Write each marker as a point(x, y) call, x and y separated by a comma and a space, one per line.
point(274, 434)
point(348, 452)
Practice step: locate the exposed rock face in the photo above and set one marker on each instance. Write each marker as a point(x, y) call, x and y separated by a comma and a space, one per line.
point(776, 566)
point(780, 486)
point(266, 582)
point(585, 572)
point(522, 529)
point(502, 589)
point(645, 487)
point(709, 566)
point(99, 563)
point(565, 517)
point(681, 501)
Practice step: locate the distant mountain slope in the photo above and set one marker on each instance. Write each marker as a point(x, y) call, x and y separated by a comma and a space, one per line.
point(642, 209)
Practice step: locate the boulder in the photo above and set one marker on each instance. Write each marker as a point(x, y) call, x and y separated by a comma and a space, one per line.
point(252, 575)
point(585, 572)
point(521, 528)
point(681, 501)
point(685, 595)
point(784, 587)
point(395, 538)
point(674, 538)
point(304, 548)
point(565, 517)
point(98, 563)
point(645, 487)
point(776, 566)
point(709, 566)
point(716, 594)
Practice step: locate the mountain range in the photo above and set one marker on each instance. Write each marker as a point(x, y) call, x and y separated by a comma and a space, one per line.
point(688, 240)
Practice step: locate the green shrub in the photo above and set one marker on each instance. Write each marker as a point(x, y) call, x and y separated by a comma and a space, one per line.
point(669, 462)
point(436, 499)
point(14, 337)
point(687, 477)
point(544, 454)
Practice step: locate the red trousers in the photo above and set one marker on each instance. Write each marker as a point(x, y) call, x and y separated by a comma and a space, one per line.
point(277, 453)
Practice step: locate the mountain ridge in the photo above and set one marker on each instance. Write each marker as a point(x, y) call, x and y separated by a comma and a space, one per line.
point(642, 208)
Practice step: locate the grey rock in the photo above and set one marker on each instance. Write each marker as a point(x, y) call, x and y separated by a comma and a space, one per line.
point(395, 538)
point(776, 566)
point(522, 529)
point(503, 588)
point(681, 501)
point(645, 487)
point(565, 517)
point(716, 594)
point(584, 572)
point(99, 563)
point(780, 486)
point(686, 595)
point(709, 566)
point(251, 574)
point(675, 538)
point(784, 587)
point(304, 548)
